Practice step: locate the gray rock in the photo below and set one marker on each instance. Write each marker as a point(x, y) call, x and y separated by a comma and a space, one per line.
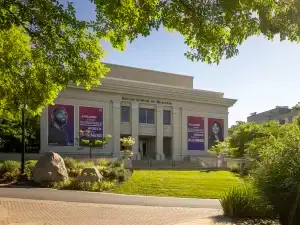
point(50, 168)
point(90, 174)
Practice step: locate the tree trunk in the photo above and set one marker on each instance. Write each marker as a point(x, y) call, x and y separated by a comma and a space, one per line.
point(23, 143)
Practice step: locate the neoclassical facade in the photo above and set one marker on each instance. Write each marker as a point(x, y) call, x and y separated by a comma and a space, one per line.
point(161, 111)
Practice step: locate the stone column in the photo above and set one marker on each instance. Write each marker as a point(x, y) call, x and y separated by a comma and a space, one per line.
point(226, 126)
point(206, 134)
point(176, 133)
point(116, 129)
point(159, 133)
point(135, 129)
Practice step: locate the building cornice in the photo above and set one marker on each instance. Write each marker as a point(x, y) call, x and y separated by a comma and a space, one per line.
point(128, 87)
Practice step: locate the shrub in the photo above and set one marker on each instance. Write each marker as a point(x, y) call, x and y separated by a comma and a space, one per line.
point(70, 163)
point(85, 186)
point(116, 163)
point(235, 168)
point(243, 201)
point(74, 166)
point(101, 162)
point(10, 170)
point(29, 166)
point(114, 173)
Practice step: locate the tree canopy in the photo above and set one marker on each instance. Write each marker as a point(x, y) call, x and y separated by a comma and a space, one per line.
point(43, 46)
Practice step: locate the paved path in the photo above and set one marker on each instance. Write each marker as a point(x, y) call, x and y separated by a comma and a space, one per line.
point(105, 198)
point(15, 211)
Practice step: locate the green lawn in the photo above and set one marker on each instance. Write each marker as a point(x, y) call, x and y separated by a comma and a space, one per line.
point(193, 184)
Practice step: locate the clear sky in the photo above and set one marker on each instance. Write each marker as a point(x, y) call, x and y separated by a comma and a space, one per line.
point(265, 74)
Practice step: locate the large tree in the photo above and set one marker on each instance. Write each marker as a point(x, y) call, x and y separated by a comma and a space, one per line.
point(43, 46)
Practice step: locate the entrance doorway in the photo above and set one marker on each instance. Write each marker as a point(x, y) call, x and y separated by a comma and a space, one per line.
point(147, 147)
point(168, 147)
point(143, 150)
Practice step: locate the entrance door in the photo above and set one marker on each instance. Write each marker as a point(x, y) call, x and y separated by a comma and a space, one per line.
point(143, 149)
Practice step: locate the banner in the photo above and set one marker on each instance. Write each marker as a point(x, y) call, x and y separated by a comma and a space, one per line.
point(61, 125)
point(195, 129)
point(91, 122)
point(215, 131)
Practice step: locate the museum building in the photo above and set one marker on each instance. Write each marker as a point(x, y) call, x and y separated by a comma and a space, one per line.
point(161, 111)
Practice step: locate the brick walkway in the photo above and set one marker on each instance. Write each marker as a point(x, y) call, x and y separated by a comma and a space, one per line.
point(37, 212)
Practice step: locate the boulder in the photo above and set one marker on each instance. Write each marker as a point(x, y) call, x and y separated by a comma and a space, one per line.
point(50, 168)
point(90, 174)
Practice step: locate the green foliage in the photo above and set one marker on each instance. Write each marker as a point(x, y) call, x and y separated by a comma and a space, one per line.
point(296, 107)
point(115, 173)
point(235, 168)
point(86, 141)
point(247, 138)
point(40, 57)
point(10, 170)
point(85, 186)
point(277, 174)
point(74, 166)
point(29, 166)
point(116, 163)
point(101, 162)
point(243, 201)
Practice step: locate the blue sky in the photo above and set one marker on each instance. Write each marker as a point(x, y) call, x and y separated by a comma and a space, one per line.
point(265, 74)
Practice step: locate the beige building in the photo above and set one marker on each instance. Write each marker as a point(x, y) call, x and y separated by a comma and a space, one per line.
point(280, 114)
point(161, 111)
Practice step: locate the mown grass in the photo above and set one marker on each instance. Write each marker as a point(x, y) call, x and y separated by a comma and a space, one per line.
point(192, 184)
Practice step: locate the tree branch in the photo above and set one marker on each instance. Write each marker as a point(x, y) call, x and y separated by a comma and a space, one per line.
point(19, 21)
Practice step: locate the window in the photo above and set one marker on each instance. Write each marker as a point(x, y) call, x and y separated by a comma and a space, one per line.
point(125, 114)
point(146, 116)
point(282, 121)
point(167, 117)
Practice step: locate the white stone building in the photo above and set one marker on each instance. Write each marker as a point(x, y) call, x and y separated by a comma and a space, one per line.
point(162, 111)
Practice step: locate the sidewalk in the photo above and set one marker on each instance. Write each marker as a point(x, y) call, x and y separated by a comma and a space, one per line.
point(15, 211)
point(105, 198)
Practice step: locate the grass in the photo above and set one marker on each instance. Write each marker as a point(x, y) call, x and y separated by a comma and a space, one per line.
point(189, 184)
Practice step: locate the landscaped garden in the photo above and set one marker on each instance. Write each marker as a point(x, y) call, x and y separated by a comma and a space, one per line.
point(271, 190)
point(193, 184)
point(101, 175)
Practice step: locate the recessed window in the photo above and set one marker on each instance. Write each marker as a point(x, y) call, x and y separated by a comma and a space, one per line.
point(125, 114)
point(281, 122)
point(146, 116)
point(167, 117)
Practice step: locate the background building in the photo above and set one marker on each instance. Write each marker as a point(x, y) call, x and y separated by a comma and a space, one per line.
point(162, 111)
point(281, 114)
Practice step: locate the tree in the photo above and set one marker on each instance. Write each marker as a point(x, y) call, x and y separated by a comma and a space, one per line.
point(247, 138)
point(296, 107)
point(86, 141)
point(55, 48)
point(277, 175)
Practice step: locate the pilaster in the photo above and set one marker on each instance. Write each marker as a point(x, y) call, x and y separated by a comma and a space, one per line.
point(159, 133)
point(116, 128)
point(135, 128)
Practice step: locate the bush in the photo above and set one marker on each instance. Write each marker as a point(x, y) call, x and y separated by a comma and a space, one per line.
point(70, 163)
point(116, 163)
point(29, 166)
point(101, 162)
point(10, 170)
point(235, 168)
point(243, 201)
point(85, 186)
point(74, 166)
point(114, 173)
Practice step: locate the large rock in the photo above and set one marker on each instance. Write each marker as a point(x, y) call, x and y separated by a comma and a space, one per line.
point(50, 168)
point(90, 174)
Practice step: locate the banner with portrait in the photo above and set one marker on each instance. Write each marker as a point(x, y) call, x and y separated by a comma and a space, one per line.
point(61, 125)
point(91, 122)
point(215, 131)
point(195, 133)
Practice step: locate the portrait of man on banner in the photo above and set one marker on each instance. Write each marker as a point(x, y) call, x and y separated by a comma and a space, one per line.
point(61, 125)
